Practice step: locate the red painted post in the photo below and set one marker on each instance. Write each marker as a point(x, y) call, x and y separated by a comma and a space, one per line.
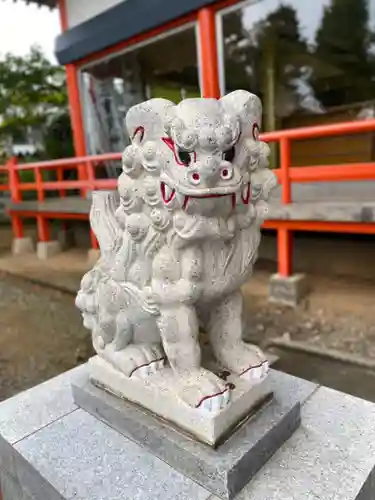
point(16, 197)
point(284, 170)
point(39, 183)
point(60, 178)
point(14, 180)
point(284, 236)
point(208, 52)
point(91, 175)
point(42, 228)
point(284, 252)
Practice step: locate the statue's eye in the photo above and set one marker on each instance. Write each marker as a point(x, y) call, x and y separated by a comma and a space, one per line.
point(229, 155)
point(184, 157)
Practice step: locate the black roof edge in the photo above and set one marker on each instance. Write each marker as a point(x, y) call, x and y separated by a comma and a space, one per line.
point(120, 23)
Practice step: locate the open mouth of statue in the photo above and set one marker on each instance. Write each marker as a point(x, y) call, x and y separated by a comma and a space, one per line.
point(168, 194)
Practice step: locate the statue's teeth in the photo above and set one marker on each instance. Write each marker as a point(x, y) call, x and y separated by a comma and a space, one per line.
point(167, 192)
point(246, 193)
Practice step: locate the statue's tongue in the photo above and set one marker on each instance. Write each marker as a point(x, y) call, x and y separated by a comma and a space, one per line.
point(192, 227)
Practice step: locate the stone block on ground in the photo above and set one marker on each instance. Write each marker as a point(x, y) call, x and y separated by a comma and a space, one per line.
point(47, 249)
point(21, 246)
point(224, 471)
point(287, 290)
point(157, 394)
point(69, 454)
point(79, 457)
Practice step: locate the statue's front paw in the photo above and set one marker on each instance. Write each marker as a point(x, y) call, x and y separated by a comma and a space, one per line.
point(247, 360)
point(205, 391)
point(137, 360)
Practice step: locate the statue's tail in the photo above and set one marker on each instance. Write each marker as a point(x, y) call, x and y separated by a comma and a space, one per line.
point(103, 220)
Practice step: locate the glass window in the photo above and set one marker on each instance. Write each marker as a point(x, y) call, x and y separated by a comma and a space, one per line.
point(311, 62)
point(166, 67)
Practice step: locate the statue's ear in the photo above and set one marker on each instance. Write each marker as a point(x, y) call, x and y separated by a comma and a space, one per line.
point(146, 121)
point(247, 107)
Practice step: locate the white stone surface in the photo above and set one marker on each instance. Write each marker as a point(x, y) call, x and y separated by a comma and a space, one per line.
point(30, 410)
point(21, 246)
point(331, 456)
point(179, 244)
point(47, 249)
point(84, 459)
point(157, 393)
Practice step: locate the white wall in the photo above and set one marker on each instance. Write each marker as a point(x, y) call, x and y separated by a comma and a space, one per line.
point(79, 11)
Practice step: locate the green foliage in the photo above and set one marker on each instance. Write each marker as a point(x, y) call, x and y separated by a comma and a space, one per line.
point(58, 138)
point(273, 60)
point(344, 66)
point(32, 92)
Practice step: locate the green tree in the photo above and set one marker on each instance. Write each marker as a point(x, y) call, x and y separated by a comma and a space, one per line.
point(32, 93)
point(58, 139)
point(343, 70)
point(269, 58)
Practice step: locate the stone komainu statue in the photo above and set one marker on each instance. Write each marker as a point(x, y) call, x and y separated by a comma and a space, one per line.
point(179, 243)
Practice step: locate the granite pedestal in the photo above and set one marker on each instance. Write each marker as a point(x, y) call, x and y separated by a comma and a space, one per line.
point(225, 470)
point(52, 450)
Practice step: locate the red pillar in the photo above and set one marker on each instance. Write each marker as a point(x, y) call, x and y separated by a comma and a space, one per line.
point(208, 53)
point(75, 108)
point(284, 236)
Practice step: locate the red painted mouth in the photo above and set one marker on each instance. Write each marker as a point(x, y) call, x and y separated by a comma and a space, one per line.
point(167, 193)
point(245, 194)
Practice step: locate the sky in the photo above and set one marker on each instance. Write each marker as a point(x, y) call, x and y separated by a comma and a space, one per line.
point(23, 25)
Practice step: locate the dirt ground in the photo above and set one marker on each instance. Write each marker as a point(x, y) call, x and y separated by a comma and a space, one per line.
point(338, 314)
point(41, 333)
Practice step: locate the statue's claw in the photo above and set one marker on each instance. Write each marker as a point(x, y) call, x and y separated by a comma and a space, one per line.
point(136, 360)
point(257, 373)
point(205, 391)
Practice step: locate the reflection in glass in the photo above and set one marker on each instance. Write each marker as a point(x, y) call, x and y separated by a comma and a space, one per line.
point(311, 62)
point(163, 68)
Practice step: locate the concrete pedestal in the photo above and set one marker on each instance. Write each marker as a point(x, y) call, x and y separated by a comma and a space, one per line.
point(22, 246)
point(287, 290)
point(224, 471)
point(48, 249)
point(158, 395)
point(52, 450)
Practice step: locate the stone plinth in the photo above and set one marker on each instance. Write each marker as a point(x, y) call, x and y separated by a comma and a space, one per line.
point(52, 450)
point(157, 394)
point(21, 246)
point(225, 470)
point(47, 249)
point(287, 290)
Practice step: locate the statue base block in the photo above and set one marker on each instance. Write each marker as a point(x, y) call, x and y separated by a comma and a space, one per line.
point(157, 394)
point(224, 469)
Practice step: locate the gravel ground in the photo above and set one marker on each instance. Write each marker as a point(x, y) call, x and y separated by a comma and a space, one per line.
point(41, 335)
point(329, 327)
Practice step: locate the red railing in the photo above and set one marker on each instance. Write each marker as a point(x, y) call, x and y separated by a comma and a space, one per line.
point(86, 168)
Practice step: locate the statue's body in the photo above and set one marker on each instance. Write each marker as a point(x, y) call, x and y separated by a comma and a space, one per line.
point(181, 243)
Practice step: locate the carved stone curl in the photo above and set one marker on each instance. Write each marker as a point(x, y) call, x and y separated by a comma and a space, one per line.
point(179, 243)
